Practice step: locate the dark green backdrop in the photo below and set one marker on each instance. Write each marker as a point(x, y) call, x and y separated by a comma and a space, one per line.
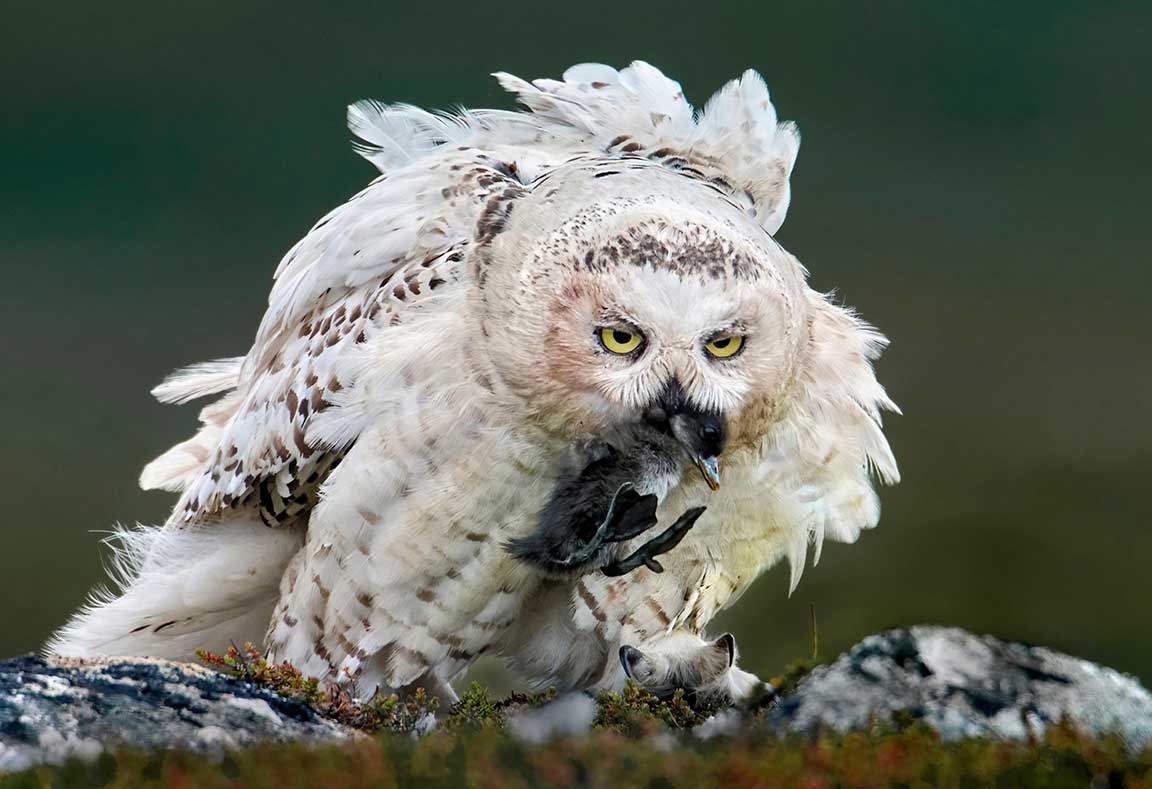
point(974, 178)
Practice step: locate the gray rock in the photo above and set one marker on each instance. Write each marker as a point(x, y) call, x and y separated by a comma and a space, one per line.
point(51, 710)
point(964, 685)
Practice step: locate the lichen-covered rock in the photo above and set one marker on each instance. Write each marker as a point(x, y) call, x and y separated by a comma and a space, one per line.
point(964, 685)
point(51, 710)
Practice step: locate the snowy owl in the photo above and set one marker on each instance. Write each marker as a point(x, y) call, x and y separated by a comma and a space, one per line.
point(514, 284)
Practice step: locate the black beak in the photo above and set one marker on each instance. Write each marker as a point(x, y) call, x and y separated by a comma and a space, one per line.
point(700, 432)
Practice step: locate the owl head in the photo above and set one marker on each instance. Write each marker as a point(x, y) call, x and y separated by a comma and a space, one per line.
point(620, 291)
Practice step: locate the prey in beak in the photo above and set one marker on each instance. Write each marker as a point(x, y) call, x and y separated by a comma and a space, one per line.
point(700, 432)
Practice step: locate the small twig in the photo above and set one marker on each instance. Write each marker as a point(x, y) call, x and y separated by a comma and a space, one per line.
point(815, 632)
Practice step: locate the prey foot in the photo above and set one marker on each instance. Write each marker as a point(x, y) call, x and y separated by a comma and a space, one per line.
point(576, 531)
point(662, 543)
point(608, 495)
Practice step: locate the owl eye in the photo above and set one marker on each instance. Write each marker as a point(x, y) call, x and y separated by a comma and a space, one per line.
point(620, 341)
point(724, 347)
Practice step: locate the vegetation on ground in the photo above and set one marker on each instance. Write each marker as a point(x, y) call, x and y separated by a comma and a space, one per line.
point(484, 756)
point(636, 740)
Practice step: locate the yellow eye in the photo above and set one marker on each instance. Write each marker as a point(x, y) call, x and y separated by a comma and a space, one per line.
point(620, 341)
point(724, 347)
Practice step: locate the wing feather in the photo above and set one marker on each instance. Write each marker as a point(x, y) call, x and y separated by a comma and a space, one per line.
point(356, 273)
point(820, 460)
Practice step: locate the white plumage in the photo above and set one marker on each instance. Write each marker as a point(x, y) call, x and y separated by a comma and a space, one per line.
point(427, 357)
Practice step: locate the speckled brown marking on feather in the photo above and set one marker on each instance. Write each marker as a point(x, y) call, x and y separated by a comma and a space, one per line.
point(320, 331)
point(322, 651)
point(447, 639)
point(413, 655)
point(365, 599)
point(344, 644)
point(325, 593)
point(494, 217)
point(370, 517)
point(489, 626)
point(590, 601)
point(658, 611)
point(684, 250)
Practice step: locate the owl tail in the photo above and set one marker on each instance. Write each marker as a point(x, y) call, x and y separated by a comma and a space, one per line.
point(178, 590)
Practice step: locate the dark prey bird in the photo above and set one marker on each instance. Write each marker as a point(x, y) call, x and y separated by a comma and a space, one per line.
point(607, 499)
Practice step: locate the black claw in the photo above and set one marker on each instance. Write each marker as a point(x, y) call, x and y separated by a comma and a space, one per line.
point(628, 658)
point(662, 543)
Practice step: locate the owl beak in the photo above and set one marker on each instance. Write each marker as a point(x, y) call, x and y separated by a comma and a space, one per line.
point(701, 432)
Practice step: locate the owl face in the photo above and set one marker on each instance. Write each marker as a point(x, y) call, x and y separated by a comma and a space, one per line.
point(620, 339)
point(635, 308)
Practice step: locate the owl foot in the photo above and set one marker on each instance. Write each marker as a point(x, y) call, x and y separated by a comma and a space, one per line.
point(707, 670)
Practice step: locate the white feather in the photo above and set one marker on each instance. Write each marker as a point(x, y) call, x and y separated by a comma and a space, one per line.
point(199, 380)
point(179, 590)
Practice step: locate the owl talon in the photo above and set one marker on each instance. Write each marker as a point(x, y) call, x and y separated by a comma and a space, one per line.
point(662, 543)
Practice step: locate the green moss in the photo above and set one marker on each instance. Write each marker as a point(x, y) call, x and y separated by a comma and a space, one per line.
point(382, 712)
point(636, 712)
point(249, 665)
point(793, 674)
point(475, 709)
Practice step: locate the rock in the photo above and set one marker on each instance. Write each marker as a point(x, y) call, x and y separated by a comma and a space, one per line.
point(51, 710)
point(964, 685)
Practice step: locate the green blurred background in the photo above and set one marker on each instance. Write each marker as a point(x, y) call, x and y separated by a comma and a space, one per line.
point(974, 178)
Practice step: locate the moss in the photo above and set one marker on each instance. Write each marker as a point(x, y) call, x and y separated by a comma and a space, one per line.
point(633, 711)
point(793, 674)
point(382, 712)
point(637, 712)
point(249, 665)
point(484, 756)
point(475, 709)
point(470, 748)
